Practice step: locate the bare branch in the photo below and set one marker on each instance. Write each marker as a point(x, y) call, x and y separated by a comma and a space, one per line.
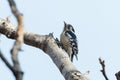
point(118, 75)
point(6, 62)
point(18, 43)
point(102, 62)
point(49, 46)
point(14, 9)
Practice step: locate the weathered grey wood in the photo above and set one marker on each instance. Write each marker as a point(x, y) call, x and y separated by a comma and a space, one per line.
point(49, 46)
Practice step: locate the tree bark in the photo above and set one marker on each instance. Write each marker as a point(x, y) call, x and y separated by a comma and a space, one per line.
point(49, 46)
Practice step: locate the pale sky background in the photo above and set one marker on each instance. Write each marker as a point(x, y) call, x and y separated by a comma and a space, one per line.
point(97, 25)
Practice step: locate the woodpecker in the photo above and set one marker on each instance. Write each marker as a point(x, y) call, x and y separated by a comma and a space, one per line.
point(68, 40)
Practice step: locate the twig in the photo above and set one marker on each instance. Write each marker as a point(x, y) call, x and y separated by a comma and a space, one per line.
point(18, 43)
point(6, 62)
point(14, 9)
point(102, 62)
point(118, 75)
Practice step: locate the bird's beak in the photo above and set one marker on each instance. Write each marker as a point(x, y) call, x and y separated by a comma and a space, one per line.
point(64, 23)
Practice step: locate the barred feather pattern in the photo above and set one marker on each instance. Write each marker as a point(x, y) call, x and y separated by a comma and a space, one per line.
point(69, 41)
point(73, 43)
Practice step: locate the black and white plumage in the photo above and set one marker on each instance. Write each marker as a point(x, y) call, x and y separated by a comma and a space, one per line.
point(69, 41)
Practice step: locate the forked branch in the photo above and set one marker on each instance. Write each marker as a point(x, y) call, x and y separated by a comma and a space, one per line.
point(102, 62)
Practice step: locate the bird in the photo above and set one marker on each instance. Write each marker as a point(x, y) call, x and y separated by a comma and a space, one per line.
point(69, 42)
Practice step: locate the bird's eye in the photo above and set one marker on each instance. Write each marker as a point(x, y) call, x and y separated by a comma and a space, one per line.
point(69, 27)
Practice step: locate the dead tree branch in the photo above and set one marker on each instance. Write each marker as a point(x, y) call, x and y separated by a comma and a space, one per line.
point(16, 48)
point(13, 70)
point(102, 62)
point(14, 9)
point(6, 62)
point(49, 46)
point(19, 40)
point(117, 75)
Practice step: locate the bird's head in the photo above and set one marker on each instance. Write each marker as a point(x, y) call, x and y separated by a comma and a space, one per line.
point(68, 27)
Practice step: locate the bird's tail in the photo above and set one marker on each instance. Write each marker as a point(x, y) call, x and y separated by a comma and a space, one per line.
point(72, 57)
point(76, 56)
